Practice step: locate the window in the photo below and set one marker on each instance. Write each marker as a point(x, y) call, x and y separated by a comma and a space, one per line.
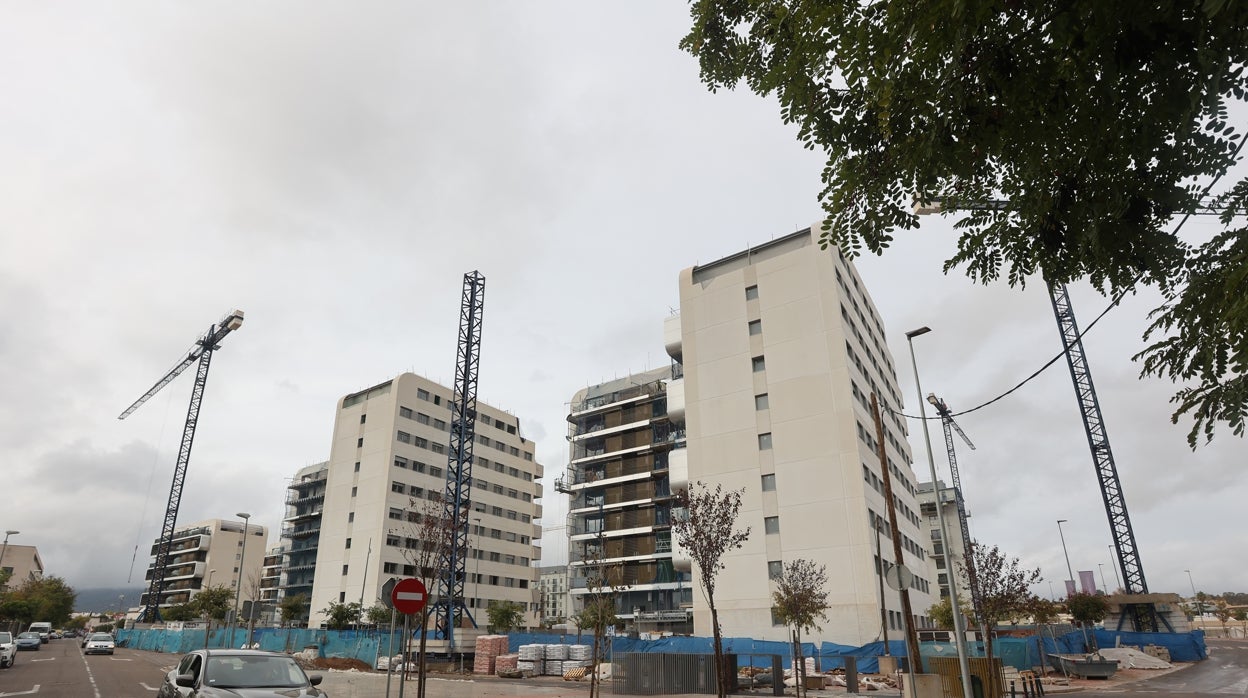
point(397, 486)
point(438, 448)
point(362, 418)
point(760, 402)
point(435, 471)
point(422, 418)
point(348, 543)
point(422, 394)
point(344, 570)
point(422, 442)
point(359, 443)
point(405, 437)
point(405, 412)
point(514, 472)
point(764, 442)
point(439, 424)
point(769, 483)
point(751, 293)
point(350, 516)
point(400, 462)
point(357, 466)
point(353, 491)
point(396, 514)
point(775, 569)
point(775, 617)
point(771, 524)
point(528, 456)
point(759, 364)
point(756, 327)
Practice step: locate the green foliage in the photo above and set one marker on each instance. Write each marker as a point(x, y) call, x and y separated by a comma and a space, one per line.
point(1002, 586)
point(49, 598)
point(180, 612)
point(214, 602)
point(294, 608)
point(597, 615)
point(504, 616)
point(340, 616)
point(1087, 609)
point(377, 614)
point(1042, 610)
point(1098, 122)
point(941, 612)
point(801, 598)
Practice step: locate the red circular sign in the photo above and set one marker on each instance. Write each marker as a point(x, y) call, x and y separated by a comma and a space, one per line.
point(408, 596)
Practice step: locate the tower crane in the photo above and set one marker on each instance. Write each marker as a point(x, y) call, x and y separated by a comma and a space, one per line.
point(450, 606)
point(200, 351)
point(946, 420)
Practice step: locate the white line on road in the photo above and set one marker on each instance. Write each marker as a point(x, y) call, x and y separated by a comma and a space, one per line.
point(49, 659)
point(119, 659)
point(90, 676)
point(22, 693)
point(149, 688)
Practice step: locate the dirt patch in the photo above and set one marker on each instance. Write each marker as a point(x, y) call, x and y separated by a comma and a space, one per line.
point(339, 664)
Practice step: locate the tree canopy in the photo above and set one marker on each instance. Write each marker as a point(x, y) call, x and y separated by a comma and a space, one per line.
point(1097, 122)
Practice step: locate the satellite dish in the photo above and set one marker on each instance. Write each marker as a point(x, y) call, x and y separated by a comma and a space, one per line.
point(898, 577)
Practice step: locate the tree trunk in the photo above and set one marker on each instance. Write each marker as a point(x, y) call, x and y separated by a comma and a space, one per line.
point(420, 677)
point(721, 681)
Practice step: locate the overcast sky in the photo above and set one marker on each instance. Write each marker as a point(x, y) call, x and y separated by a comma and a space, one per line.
point(334, 168)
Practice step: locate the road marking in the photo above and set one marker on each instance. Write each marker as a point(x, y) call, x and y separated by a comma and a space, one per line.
point(118, 659)
point(95, 689)
point(149, 688)
point(22, 693)
point(49, 659)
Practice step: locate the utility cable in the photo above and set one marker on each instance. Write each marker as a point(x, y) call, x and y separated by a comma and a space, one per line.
point(1079, 338)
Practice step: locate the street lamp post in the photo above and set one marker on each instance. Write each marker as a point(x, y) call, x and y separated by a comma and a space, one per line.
point(6, 544)
point(959, 633)
point(1200, 609)
point(1114, 567)
point(1069, 570)
point(1102, 568)
point(238, 588)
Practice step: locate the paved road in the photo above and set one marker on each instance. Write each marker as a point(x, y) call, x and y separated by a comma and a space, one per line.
point(1225, 673)
point(60, 670)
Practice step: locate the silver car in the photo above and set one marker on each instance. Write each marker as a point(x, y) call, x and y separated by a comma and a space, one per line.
point(229, 673)
point(8, 650)
point(99, 643)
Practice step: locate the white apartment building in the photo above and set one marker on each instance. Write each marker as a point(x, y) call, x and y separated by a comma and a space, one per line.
point(556, 602)
point(211, 554)
point(388, 458)
point(781, 349)
point(949, 510)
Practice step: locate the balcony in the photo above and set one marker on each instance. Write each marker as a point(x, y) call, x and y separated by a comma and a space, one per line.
point(296, 533)
point(619, 398)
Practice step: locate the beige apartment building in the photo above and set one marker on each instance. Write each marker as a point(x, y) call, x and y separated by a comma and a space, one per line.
point(22, 562)
point(211, 553)
point(388, 458)
point(781, 348)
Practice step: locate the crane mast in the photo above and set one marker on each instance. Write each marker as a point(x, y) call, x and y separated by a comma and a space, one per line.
point(946, 420)
point(1143, 615)
point(450, 606)
point(201, 351)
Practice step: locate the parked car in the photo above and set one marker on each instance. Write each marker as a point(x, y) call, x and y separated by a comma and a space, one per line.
point(8, 650)
point(213, 673)
point(44, 629)
point(29, 641)
point(99, 643)
point(85, 637)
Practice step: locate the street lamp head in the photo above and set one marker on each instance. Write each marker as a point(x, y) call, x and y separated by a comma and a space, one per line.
point(1061, 521)
point(243, 516)
point(915, 333)
point(11, 533)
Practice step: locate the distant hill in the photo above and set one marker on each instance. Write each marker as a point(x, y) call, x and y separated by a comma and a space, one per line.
point(106, 600)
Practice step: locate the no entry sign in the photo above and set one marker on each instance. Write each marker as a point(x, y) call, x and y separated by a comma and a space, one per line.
point(408, 596)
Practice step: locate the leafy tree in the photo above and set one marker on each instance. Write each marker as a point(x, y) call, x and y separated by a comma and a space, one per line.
point(1087, 609)
point(293, 608)
point(49, 598)
point(1097, 121)
point(378, 615)
point(941, 612)
point(706, 528)
point(215, 602)
point(1222, 611)
point(801, 600)
point(504, 616)
point(340, 616)
point(1002, 586)
point(1042, 610)
point(180, 612)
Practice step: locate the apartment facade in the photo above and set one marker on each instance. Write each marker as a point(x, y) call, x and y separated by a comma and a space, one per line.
point(625, 443)
point(556, 602)
point(301, 533)
point(781, 348)
point(388, 461)
point(931, 511)
point(23, 564)
point(210, 553)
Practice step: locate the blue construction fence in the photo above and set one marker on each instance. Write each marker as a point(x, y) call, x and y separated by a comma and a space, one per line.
point(367, 645)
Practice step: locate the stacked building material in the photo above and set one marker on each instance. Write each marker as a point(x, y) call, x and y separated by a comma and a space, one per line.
point(532, 658)
point(506, 663)
point(487, 651)
point(555, 656)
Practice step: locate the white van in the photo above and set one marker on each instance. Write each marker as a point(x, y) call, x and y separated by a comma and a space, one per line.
point(43, 628)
